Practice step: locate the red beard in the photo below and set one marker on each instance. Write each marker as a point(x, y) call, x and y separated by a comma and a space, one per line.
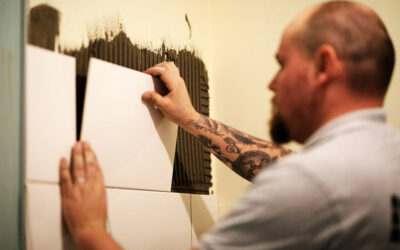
point(277, 127)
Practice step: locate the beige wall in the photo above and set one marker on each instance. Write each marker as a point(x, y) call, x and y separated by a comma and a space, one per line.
point(246, 37)
point(147, 22)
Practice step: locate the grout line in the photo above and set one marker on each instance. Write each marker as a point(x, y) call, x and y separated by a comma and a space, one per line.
point(41, 182)
point(122, 188)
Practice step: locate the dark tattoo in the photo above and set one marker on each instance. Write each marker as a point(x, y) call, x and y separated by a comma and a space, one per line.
point(243, 139)
point(250, 163)
point(231, 148)
point(206, 125)
point(228, 145)
point(207, 142)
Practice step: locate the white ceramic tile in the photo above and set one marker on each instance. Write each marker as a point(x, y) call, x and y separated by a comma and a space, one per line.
point(134, 143)
point(204, 215)
point(44, 229)
point(138, 219)
point(150, 220)
point(50, 121)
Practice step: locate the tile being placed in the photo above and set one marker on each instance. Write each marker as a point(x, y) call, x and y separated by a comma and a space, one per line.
point(204, 215)
point(150, 220)
point(50, 121)
point(137, 219)
point(135, 143)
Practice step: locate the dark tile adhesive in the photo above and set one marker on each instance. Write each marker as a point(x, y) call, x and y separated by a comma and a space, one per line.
point(192, 165)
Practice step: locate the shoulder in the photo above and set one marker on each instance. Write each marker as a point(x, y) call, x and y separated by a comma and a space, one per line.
point(282, 208)
point(358, 154)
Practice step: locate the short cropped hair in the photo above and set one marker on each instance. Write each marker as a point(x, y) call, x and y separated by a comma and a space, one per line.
point(360, 39)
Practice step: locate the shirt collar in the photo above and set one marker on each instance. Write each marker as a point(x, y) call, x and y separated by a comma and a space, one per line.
point(366, 115)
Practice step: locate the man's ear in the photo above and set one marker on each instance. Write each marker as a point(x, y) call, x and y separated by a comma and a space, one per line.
point(327, 64)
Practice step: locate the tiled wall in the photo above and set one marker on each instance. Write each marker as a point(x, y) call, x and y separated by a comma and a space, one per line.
point(192, 166)
point(137, 219)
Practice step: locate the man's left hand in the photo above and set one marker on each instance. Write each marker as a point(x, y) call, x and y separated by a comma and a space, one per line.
point(83, 194)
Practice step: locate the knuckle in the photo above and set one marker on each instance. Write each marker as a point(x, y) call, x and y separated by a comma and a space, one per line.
point(75, 150)
point(64, 171)
point(64, 179)
point(89, 156)
point(92, 166)
point(91, 172)
point(78, 161)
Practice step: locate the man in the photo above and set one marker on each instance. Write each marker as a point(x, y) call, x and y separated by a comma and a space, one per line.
point(340, 192)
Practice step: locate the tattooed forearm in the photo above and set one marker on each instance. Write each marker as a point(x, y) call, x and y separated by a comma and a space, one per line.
point(251, 140)
point(231, 147)
point(250, 163)
point(245, 139)
point(214, 149)
point(245, 154)
point(207, 125)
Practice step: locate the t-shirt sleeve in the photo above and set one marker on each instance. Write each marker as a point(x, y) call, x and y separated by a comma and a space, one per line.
point(284, 209)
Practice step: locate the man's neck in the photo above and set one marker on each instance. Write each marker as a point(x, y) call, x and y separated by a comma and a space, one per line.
point(339, 109)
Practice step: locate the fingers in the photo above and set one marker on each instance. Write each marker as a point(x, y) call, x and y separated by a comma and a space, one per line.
point(85, 165)
point(159, 68)
point(168, 73)
point(92, 168)
point(65, 176)
point(155, 71)
point(154, 99)
point(78, 163)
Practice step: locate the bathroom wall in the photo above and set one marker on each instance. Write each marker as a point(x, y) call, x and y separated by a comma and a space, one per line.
point(134, 35)
point(236, 40)
point(108, 39)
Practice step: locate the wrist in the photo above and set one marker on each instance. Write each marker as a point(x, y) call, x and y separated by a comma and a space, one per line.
point(187, 123)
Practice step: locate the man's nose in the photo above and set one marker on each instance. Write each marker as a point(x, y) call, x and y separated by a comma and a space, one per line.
point(272, 84)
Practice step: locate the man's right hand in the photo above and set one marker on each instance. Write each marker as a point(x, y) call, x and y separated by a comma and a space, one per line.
point(176, 105)
point(243, 153)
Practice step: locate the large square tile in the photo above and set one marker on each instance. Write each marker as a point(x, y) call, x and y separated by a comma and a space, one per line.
point(150, 220)
point(137, 219)
point(135, 143)
point(50, 120)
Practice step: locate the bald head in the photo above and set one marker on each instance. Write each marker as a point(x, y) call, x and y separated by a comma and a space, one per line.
point(359, 37)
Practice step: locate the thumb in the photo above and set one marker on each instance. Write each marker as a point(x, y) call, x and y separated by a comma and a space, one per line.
point(154, 99)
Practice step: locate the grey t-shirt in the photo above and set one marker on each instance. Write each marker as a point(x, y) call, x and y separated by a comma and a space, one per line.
point(342, 191)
